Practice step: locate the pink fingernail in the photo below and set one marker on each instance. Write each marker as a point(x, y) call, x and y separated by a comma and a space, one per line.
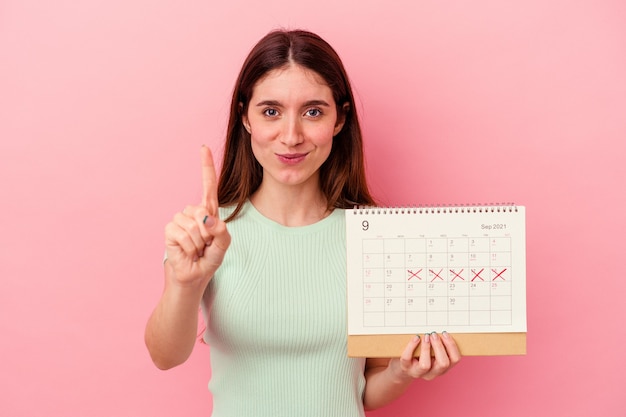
point(427, 338)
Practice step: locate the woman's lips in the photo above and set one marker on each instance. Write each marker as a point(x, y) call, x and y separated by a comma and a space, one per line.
point(291, 158)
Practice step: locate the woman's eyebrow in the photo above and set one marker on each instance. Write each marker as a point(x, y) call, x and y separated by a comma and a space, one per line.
point(316, 103)
point(269, 103)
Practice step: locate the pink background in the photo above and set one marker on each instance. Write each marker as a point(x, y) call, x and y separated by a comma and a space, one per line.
point(104, 106)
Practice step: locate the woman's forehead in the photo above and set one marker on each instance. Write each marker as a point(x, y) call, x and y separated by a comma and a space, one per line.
point(286, 78)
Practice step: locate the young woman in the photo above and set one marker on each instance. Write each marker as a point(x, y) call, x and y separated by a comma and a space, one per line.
point(273, 297)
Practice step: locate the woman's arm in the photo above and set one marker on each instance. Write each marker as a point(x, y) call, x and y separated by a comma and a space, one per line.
point(388, 379)
point(196, 241)
point(171, 329)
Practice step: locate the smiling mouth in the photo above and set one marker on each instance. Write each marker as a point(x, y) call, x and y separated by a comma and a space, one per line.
point(291, 158)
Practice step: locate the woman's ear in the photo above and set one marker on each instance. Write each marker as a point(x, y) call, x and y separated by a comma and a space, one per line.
point(244, 118)
point(341, 118)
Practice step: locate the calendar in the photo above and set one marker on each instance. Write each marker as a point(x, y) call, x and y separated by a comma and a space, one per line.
point(460, 269)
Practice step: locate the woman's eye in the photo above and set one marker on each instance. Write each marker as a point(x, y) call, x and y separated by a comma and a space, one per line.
point(270, 112)
point(313, 112)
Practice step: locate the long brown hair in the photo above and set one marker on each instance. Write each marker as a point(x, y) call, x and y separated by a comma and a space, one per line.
point(342, 175)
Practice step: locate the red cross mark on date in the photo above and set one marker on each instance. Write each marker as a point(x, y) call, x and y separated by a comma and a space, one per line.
point(457, 275)
point(498, 274)
point(436, 274)
point(414, 274)
point(477, 275)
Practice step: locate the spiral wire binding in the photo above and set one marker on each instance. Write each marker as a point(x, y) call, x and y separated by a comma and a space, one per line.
point(439, 209)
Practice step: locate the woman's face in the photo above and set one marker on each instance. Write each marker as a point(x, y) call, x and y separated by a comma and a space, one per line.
point(292, 119)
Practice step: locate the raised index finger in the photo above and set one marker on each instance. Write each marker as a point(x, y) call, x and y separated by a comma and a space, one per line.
point(209, 181)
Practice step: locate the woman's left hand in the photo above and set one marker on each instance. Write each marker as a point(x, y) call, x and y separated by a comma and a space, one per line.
point(387, 379)
point(446, 356)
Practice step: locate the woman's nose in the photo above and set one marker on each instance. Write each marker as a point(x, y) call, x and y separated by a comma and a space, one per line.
point(292, 132)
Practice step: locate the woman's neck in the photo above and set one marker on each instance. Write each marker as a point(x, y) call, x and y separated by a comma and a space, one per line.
point(290, 205)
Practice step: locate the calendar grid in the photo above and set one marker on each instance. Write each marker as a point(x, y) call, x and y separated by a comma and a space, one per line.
point(438, 281)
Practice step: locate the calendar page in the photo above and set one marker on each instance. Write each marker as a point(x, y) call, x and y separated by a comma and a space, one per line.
point(418, 270)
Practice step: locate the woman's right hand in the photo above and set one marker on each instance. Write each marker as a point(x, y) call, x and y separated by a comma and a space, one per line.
point(196, 239)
